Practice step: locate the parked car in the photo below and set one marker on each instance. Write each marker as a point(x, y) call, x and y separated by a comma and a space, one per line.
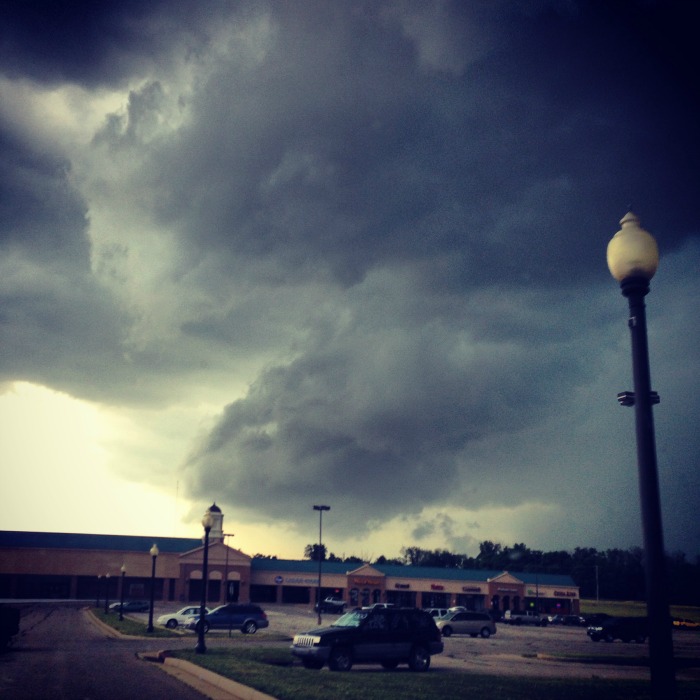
point(131, 606)
point(472, 623)
point(437, 612)
point(628, 629)
point(594, 618)
point(181, 617)
point(388, 636)
point(331, 605)
point(245, 617)
point(569, 620)
point(375, 606)
point(527, 617)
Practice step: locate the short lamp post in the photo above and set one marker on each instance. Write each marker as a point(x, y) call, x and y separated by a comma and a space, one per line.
point(154, 552)
point(121, 594)
point(106, 594)
point(99, 585)
point(320, 510)
point(207, 522)
point(633, 258)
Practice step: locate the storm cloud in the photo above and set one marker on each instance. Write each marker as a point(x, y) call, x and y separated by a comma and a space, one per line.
point(364, 245)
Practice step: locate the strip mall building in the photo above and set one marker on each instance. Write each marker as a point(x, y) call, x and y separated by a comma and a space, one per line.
point(41, 565)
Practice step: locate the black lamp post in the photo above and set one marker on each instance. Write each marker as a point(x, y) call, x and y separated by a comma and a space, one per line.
point(207, 522)
point(633, 258)
point(106, 593)
point(320, 510)
point(121, 594)
point(154, 555)
point(99, 585)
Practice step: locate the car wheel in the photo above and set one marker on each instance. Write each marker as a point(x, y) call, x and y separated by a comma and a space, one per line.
point(390, 664)
point(486, 633)
point(419, 660)
point(315, 664)
point(446, 631)
point(171, 624)
point(250, 627)
point(340, 659)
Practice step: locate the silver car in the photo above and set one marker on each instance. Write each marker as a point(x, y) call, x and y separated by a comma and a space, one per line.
point(472, 623)
point(181, 617)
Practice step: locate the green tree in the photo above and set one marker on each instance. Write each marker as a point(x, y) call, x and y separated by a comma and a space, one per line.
point(315, 551)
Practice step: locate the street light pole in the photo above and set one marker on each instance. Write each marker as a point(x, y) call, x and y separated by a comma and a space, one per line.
point(154, 552)
point(207, 522)
point(633, 259)
point(107, 594)
point(99, 585)
point(121, 603)
point(320, 510)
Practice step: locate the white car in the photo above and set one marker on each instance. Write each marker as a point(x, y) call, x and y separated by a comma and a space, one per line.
point(181, 617)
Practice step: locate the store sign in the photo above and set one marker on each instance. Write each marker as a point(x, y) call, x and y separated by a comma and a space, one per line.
point(307, 581)
point(279, 579)
point(402, 585)
point(367, 581)
point(471, 589)
point(564, 594)
point(436, 587)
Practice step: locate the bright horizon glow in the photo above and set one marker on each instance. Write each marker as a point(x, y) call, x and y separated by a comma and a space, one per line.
point(55, 449)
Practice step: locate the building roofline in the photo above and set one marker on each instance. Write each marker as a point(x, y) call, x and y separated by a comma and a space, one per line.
point(72, 540)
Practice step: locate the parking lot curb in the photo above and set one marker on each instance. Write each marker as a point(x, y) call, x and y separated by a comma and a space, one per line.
point(206, 682)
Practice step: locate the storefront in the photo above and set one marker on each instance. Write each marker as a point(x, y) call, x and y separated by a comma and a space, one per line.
point(70, 566)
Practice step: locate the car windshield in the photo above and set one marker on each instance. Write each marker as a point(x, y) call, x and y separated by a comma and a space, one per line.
point(350, 619)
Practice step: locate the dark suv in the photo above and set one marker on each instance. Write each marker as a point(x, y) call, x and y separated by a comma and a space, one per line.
point(388, 636)
point(238, 616)
point(628, 629)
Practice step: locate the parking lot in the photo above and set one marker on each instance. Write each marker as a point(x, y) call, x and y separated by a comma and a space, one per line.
point(512, 650)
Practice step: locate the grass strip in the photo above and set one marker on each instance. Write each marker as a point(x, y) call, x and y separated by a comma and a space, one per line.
point(273, 671)
point(131, 627)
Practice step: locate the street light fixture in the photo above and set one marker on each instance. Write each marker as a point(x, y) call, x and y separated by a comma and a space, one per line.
point(107, 594)
point(207, 523)
point(320, 510)
point(633, 258)
point(121, 602)
point(154, 552)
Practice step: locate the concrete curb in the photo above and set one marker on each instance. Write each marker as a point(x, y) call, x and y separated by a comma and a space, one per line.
point(203, 678)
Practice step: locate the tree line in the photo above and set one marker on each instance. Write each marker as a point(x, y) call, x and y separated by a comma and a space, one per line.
point(612, 574)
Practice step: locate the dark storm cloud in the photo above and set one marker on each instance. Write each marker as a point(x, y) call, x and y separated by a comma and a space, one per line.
point(58, 326)
point(400, 211)
point(337, 149)
point(479, 178)
point(97, 43)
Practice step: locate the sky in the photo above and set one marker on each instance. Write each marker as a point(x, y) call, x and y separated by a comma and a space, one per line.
point(278, 254)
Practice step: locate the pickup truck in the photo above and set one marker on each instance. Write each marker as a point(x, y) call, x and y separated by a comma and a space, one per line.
point(529, 617)
point(331, 605)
